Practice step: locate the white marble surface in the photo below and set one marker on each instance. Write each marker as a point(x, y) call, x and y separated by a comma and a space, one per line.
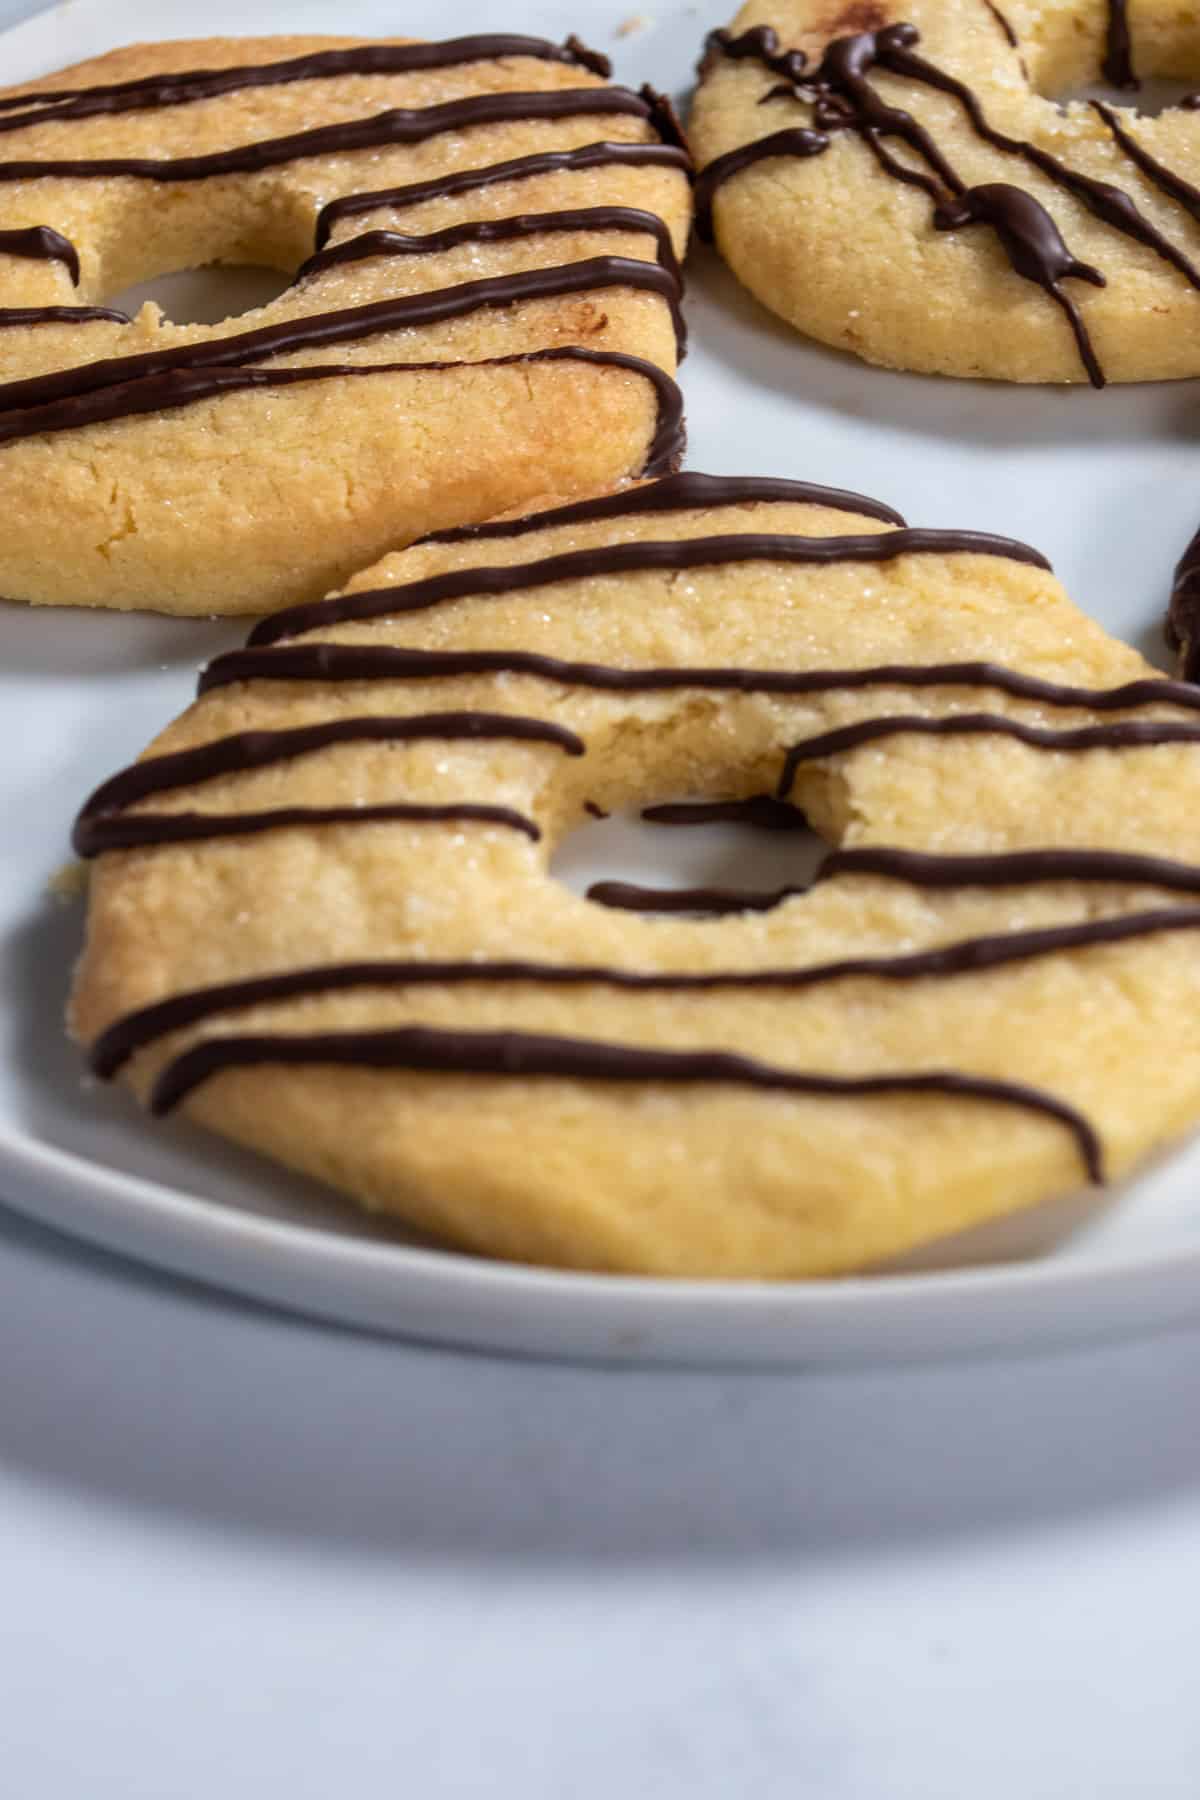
point(247, 1556)
point(242, 1555)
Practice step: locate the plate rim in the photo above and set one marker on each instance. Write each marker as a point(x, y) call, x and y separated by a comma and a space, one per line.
point(296, 1266)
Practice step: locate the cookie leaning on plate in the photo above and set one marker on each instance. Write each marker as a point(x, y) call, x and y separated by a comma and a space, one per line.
point(485, 305)
point(904, 180)
point(322, 922)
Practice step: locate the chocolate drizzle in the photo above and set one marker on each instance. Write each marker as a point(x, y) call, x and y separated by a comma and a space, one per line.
point(398, 126)
point(41, 243)
point(1111, 205)
point(843, 98)
point(662, 277)
point(624, 559)
point(181, 387)
point(760, 42)
point(390, 662)
point(968, 956)
point(676, 493)
point(1117, 66)
point(28, 407)
point(153, 92)
point(763, 811)
point(150, 831)
point(1034, 246)
point(60, 315)
point(1183, 616)
point(1002, 21)
point(1127, 735)
point(665, 119)
point(798, 141)
point(245, 751)
point(497, 231)
point(1011, 868)
point(519, 168)
point(529, 1055)
point(1155, 172)
point(716, 902)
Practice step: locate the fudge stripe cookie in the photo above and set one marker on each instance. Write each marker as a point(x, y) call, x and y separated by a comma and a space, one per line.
point(957, 109)
point(493, 314)
point(983, 999)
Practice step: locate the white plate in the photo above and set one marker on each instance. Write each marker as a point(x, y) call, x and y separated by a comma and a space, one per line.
point(1104, 483)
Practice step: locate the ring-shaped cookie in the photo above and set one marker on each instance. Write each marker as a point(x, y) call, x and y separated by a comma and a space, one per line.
point(903, 179)
point(485, 307)
point(322, 919)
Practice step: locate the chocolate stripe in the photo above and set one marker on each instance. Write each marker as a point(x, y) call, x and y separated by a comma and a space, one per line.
point(497, 231)
point(151, 830)
point(1117, 66)
point(969, 956)
point(1155, 172)
point(400, 125)
point(62, 105)
point(624, 559)
point(1110, 204)
point(1002, 21)
point(759, 43)
point(1183, 613)
point(350, 324)
point(798, 142)
point(244, 751)
point(843, 98)
point(517, 168)
point(763, 811)
point(183, 387)
point(662, 276)
point(526, 1055)
point(1034, 247)
point(388, 662)
point(1011, 868)
point(629, 896)
point(59, 315)
point(677, 493)
point(41, 243)
point(1129, 735)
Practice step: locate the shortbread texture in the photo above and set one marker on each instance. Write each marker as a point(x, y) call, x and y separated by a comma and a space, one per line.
point(239, 501)
point(850, 254)
point(713, 1178)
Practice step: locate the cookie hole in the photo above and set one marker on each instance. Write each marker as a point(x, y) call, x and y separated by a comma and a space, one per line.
point(1154, 96)
point(1066, 57)
point(629, 851)
point(204, 296)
